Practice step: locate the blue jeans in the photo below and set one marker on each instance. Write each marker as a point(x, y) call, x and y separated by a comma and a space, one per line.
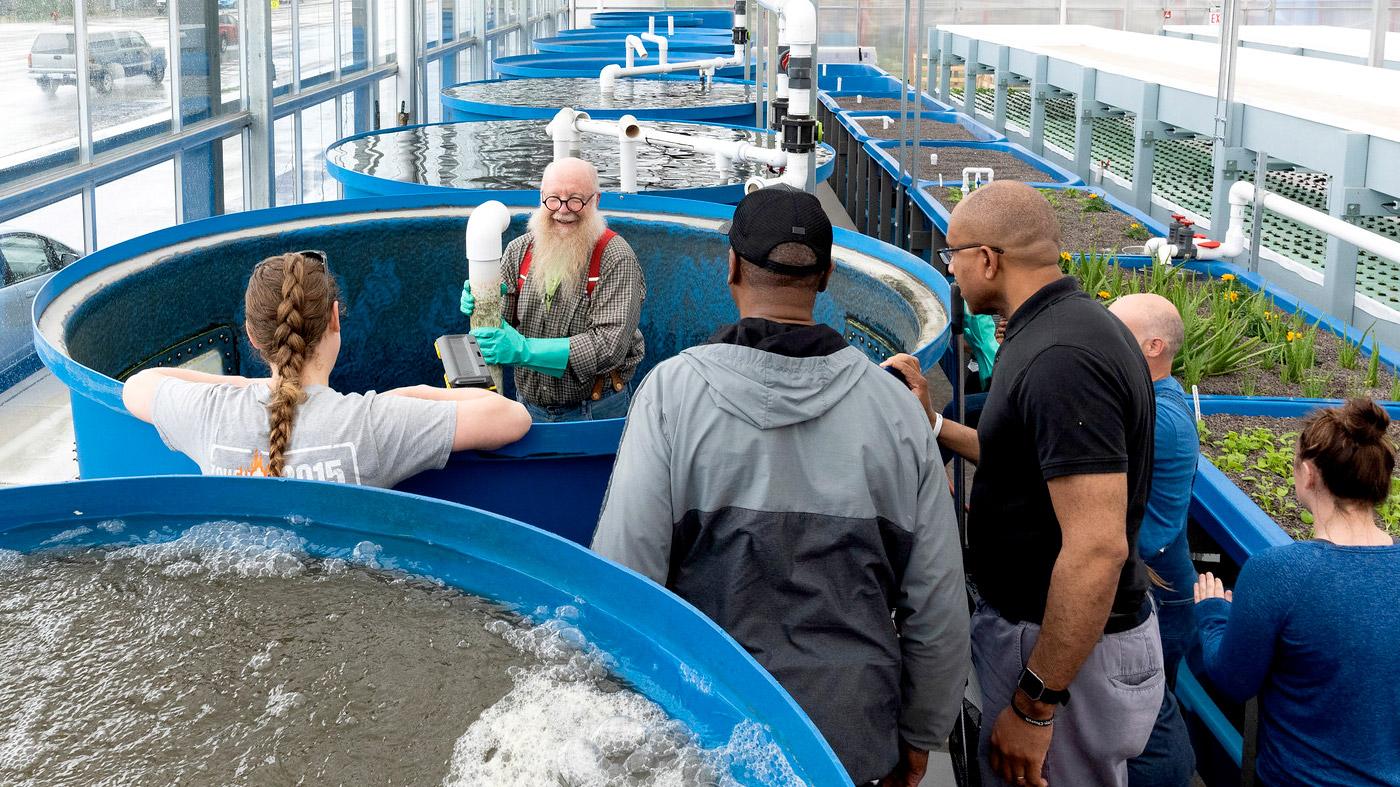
point(1169, 760)
point(613, 404)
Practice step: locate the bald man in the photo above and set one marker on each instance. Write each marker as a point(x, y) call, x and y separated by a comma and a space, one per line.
point(572, 301)
point(1168, 760)
point(1064, 453)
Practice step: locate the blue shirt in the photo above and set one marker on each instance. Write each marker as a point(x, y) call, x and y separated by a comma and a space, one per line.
point(1175, 447)
point(1314, 630)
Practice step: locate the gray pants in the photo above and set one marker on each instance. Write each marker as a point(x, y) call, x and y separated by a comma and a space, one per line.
point(1113, 700)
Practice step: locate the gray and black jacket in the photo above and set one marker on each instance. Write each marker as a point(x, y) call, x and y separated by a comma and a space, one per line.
point(792, 491)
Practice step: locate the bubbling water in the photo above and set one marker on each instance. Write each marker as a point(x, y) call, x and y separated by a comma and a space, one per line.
point(229, 655)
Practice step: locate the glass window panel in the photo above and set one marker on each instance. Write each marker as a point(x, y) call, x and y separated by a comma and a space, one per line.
point(317, 31)
point(233, 174)
point(317, 133)
point(388, 102)
point(139, 203)
point(385, 21)
point(450, 22)
point(39, 127)
point(129, 94)
point(354, 34)
point(208, 52)
point(466, 64)
point(434, 91)
point(347, 116)
point(284, 157)
point(61, 221)
point(281, 11)
point(432, 23)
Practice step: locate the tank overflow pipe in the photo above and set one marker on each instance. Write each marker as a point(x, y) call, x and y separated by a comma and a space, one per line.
point(633, 45)
point(564, 133)
point(1242, 196)
point(569, 122)
point(670, 25)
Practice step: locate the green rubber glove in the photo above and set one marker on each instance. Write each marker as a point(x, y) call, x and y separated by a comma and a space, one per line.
point(506, 346)
point(468, 303)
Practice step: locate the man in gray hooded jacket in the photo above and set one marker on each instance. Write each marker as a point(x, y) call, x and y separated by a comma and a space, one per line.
point(791, 490)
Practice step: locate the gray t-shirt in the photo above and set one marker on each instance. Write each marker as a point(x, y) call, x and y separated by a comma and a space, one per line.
point(367, 439)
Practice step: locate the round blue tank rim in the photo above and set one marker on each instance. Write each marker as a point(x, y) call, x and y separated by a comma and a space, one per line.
point(550, 560)
point(547, 439)
point(530, 112)
point(366, 182)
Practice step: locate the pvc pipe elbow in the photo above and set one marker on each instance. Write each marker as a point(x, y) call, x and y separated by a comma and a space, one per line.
point(608, 76)
point(485, 226)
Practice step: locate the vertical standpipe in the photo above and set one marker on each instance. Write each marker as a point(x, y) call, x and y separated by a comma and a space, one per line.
point(485, 226)
point(798, 21)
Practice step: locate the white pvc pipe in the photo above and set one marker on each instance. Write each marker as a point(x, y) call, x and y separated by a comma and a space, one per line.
point(561, 129)
point(661, 44)
point(568, 123)
point(607, 78)
point(485, 226)
point(627, 132)
point(795, 175)
point(1243, 194)
point(632, 44)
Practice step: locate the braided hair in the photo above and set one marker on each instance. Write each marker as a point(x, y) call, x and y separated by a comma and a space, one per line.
point(288, 309)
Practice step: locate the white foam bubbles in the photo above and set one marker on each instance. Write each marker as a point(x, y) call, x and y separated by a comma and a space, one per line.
point(66, 535)
point(224, 548)
point(11, 560)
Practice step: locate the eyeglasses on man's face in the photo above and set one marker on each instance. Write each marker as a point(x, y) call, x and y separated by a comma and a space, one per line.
point(574, 204)
point(947, 254)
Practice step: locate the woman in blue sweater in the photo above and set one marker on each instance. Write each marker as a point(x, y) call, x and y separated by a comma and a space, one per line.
point(1314, 626)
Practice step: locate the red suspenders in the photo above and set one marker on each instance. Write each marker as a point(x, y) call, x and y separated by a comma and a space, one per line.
point(595, 264)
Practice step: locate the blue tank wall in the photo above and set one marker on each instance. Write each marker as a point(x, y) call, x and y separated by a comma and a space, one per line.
point(605, 44)
point(656, 639)
point(575, 65)
point(400, 277)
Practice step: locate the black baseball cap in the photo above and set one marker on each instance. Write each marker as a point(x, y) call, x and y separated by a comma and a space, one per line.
point(780, 214)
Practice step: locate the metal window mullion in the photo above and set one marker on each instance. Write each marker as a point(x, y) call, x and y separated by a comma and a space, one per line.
point(297, 185)
point(335, 42)
point(177, 162)
point(296, 45)
point(80, 56)
point(89, 218)
point(172, 69)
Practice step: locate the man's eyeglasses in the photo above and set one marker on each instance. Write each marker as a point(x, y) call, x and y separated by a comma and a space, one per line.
point(947, 254)
point(575, 203)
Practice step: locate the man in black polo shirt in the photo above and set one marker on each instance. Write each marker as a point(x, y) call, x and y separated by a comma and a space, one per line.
point(1064, 463)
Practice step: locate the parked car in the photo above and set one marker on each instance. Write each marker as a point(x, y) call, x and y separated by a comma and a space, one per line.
point(112, 55)
point(228, 31)
point(27, 260)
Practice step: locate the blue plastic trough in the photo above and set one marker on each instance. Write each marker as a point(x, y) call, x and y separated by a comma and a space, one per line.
point(714, 110)
point(167, 296)
point(661, 645)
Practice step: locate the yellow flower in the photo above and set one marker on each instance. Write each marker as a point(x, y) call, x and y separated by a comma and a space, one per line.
point(1134, 226)
point(1292, 336)
point(1228, 277)
point(1092, 195)
point(1105, 294)
point(1232, 295)
point(1064, 255)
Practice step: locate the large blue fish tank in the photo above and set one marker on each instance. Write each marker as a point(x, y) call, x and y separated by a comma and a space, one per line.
point(673, 98)
point(660, 645)
point(175, 297)
point(510, 154)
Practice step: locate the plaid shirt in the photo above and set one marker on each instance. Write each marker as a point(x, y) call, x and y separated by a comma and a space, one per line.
point(602, 329)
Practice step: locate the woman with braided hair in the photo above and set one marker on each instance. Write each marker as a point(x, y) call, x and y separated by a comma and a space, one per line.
point(293, 424)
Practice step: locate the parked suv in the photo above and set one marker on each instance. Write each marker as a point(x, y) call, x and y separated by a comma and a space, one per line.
point(27, 260)
point(112, 55)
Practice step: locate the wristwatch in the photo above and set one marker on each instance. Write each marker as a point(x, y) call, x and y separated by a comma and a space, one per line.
point(1035, 689)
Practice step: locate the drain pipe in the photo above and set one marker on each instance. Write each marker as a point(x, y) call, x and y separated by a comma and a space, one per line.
point(485, 226)
point(562, 130)
point(670, 25)
point(627, 133)
point(607, 77)
point(798, 26)
point(1242, 195)
point(633, 45)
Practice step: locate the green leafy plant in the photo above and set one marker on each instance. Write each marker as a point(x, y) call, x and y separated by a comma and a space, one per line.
point(1299, 353)
point(1249, 385)
point(1136, 231)
point(1373, 369)
point(1315, 385)
point(1350, 352)
point(1093, 203)
point(1395, 389)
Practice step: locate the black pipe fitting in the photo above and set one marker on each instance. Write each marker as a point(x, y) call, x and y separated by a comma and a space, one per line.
point(799, 133)
point(780, 106)
point(741, 35)
point(799, 71)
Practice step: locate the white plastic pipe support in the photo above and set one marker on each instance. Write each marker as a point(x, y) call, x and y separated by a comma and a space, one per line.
point(838, 79)
point(662, 45)
point(607, 77)
point(886, 121)
point(651, 24)
point(670, 25)
point(627, 133)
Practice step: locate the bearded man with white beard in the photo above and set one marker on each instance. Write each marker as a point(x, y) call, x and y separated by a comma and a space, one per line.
point(572, 296)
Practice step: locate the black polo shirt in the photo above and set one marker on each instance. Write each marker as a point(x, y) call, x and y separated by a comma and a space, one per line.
point(1071, 396)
